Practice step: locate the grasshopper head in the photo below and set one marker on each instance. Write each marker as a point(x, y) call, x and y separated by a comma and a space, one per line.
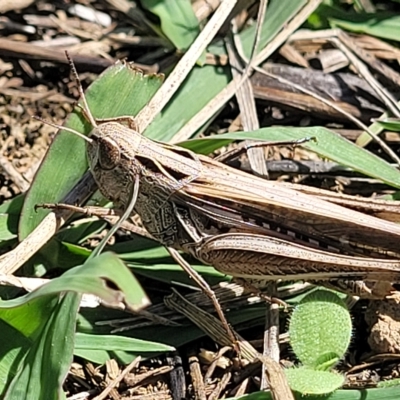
point(103, 151)
point(108, 163)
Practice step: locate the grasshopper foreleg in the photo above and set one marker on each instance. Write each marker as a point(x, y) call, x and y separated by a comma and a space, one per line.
point(110, 215)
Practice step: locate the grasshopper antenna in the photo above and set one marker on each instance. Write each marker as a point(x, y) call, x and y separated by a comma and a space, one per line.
point(85, 107)
point(63, 128)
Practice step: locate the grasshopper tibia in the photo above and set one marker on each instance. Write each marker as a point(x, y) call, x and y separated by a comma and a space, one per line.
point(89, 210)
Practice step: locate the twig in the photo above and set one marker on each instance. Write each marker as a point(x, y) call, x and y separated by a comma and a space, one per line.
point(12, 48)
point(221, 385)
point(118, 379)
point(197, 379)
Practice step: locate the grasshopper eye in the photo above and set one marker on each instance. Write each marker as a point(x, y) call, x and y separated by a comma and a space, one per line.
point(108, 154)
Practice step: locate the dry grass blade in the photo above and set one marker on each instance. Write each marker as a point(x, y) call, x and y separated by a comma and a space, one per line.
point(228, 92)
point(384, 146)
point(209, 324)
point(180, 72)
point(244, 95)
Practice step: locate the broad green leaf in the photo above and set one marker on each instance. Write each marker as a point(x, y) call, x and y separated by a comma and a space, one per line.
point(8, 227)
point(178, 21)
point(12, 206)
point(320, 330)
point(327, 144)
point(10, 212)
point(308, 381)
point(39, 328)
point(120, 90)
point(39, 358)
point(14, 347)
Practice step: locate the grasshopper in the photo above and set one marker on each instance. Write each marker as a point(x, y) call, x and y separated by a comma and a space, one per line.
point(242, 225)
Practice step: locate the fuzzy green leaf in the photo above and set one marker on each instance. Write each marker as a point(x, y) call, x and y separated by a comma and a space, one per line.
point(320, 329)
point(307, 381)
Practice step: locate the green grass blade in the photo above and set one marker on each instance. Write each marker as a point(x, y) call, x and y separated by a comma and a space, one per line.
point(328, 144)
point(206, 82)
point(390, 124)
point(178, 21)
point(385, 25)
point(364, 394)
point(113, 343)
point(101, 348)
point(277, 15)
point(42, 370)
